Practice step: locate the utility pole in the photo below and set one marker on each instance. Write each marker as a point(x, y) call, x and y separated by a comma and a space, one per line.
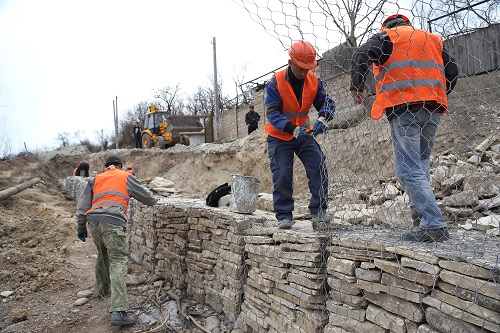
point(115, 115)
point(216, 92)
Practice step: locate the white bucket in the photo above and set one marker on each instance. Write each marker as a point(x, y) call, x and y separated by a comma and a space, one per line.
point(244, 194)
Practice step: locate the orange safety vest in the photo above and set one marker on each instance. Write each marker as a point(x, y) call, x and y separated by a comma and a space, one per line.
point(110, 189)
point(413, 73)
point(298, 115)
point(74, 171)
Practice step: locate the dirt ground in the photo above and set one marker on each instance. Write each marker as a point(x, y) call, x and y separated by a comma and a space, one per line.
point(41, 259)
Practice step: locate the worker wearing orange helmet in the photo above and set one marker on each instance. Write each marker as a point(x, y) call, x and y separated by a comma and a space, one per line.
point(84, 167)
point(413, 74)
point(130, 170)
point(290, 94)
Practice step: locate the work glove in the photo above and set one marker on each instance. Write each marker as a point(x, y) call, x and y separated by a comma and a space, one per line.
point(82, 233)
point(319, 126)
point(301, 134)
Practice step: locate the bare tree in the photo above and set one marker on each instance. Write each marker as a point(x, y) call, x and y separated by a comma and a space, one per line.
point(336, 25)
point(103, 138)
point(171, 97)
point(63, 139)
point(452, 17)
point(137, 113)
point(336, 21)
point(5, 147)
point(360, 16)
point(201, 102)
point(243, 91)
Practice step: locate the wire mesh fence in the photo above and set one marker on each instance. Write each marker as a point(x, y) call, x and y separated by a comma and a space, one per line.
point(358, 275)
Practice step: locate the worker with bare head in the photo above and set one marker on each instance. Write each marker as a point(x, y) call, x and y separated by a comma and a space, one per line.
point(290, 93)
point(103, 205)
point(252, 119)
point(137, 132)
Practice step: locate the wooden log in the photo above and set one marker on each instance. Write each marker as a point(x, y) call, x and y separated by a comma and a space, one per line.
point(18, 188)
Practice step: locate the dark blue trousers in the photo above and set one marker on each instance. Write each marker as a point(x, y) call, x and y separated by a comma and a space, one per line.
point(281, 156)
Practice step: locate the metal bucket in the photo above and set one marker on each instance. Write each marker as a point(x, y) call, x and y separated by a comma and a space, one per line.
point(244, 194)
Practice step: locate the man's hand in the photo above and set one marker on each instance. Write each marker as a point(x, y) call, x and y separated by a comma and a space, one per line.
point(301, 134)
point(82, 233)
point(319, 126)
point(358, 96)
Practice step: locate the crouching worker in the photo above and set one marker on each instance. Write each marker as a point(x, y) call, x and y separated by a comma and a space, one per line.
point(82, 166)
point(103, 205)
point(130, 170)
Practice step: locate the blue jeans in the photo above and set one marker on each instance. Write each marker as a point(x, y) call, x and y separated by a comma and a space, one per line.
point(281, 156)
point(413, 136)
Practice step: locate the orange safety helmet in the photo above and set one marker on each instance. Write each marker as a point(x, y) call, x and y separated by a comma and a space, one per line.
point(395, 20)
point(303, 54)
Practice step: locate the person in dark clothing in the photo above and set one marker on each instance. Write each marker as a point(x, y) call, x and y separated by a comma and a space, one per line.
point(82, 166)
point(413, 74)
point(252, 119)
point(137, 134)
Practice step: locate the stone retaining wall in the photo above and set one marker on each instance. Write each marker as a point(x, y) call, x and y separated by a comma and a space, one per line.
point(354, 279)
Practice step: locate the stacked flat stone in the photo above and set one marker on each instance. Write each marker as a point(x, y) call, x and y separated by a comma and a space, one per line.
point(141, 234)
point(285, 289)
point(198, 248)
point(466, 299)
point(172, 232)
point(351, 272)
point(353, 279)
point(415, 288)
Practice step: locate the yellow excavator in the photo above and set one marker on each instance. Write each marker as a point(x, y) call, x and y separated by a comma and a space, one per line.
point(158, 130)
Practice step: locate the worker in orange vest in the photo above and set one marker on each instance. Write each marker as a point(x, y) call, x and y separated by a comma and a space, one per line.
point(290, 93)
point(413, 74)
point(130, 170)
point(103, 204)
point(82, 166)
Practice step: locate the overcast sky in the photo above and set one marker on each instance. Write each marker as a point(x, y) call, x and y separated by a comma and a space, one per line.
point(63, 62)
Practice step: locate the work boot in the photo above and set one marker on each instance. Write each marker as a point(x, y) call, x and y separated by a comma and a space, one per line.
point(427, 235)
point(102, 293)
point(321, 221)
point(415, 216)
point(285, 223)
point(121, 318)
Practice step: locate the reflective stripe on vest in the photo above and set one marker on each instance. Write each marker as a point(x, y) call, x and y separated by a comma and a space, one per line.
point(413, 73)
point(298, 115)
point(110, 189)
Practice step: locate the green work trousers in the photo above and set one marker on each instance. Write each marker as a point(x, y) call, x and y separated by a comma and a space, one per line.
point(112, 262)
